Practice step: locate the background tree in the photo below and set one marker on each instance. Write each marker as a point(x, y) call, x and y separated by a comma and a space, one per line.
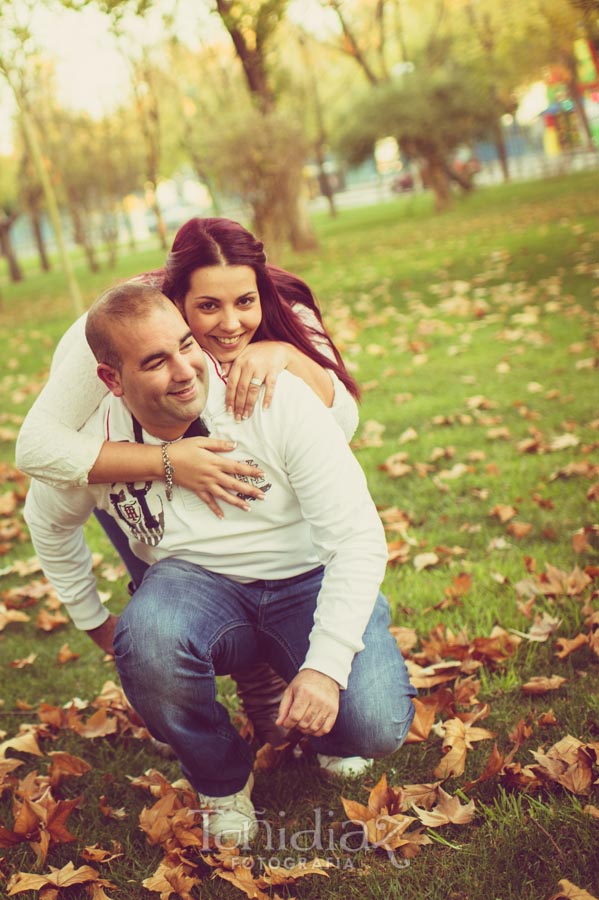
point(429, 114)
point(278, 204)
point(9, 213)
point(16, 50)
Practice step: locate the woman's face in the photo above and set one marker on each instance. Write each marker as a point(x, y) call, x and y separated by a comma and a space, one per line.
point(223, 309)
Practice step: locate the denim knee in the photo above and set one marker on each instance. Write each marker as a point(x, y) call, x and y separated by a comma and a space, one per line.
point(380, 736)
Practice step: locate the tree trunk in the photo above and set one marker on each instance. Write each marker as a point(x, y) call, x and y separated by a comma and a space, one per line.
point(160, 223)
point(502, 154)
point(301, 235)
point(435, 177)
point(34, 148)
point(8, 251)
point(82, 238)
point(40, 243)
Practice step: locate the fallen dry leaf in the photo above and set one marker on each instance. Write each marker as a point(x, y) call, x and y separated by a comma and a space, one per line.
point(448, 811)
point(566, 646)
point(458, 737)
point(540, 684)
point(58, 878)
point(569, 891)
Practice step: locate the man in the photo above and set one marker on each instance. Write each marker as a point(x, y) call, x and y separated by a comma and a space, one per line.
point(293, 582)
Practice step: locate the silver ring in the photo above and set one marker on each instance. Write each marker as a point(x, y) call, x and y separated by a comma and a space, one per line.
point(256, 381)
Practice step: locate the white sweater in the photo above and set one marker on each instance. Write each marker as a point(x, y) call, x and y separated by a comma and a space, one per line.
point(317, 510)
point(52, 445)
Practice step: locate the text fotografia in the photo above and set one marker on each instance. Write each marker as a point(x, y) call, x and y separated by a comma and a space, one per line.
point(338, 844)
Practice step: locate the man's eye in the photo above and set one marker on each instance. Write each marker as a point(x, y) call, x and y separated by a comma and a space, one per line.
point(188, 344)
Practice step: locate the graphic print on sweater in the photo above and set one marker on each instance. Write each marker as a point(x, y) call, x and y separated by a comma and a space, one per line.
point(133, 508)
point(261, 482)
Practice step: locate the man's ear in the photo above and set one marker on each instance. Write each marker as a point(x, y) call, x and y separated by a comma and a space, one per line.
point(111, 378)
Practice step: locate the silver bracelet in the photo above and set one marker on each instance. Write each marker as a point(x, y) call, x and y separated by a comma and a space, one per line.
point(168, 470)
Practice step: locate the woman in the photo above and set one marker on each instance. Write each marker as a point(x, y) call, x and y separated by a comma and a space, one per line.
point(286, 332)
point(256, 320)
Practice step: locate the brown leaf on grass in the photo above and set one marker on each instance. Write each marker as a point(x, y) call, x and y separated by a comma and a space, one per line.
point(109, 812)
point(590, 810)
point(153, 781)
point(382, 822)
point(273, 877)
point(540, 684)
point(425, 561)
point(493, 767)
point(580, 542)
point(566, 646)
point(519, 530)
point(9, 502)
point(65, 655)
point(7, 616)
point(554, 582)
point(542, 628)
point(396, 465)
point(168, 880)
point(371, 436)
point(26, 742)
point(503, 513)
point(25, 661)
point(58, 878)
point(430, 676)
point(98, 854)
point(570, 763)
point(448, 811)
point(459, 586)
point(406, 638)
point(398, 552)
point(423, 721)
point(47, 621)
point(241, 877)
point(458, 737)
point(569, 891)
point(64, 765)
point(99, 724)
point(547, 719)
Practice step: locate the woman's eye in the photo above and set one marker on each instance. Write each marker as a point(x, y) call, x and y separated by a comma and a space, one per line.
point(245, 301)
point(206, 307)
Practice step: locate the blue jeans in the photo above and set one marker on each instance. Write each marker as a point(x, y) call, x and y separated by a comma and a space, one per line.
point(185, 625)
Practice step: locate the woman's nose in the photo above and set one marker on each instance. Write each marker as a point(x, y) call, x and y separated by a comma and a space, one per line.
point(229, 320)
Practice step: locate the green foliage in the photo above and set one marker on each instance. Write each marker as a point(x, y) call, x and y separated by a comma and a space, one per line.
point(427, 112)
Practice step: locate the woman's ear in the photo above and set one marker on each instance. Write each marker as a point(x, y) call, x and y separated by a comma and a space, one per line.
point(111, 378)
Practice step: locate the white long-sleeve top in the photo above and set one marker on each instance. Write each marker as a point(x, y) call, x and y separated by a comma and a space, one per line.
point(53, 446)
point(317, 510)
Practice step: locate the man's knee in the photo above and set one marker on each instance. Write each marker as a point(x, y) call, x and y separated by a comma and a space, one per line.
point(379, 736)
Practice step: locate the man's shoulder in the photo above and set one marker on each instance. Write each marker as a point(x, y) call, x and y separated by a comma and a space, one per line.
point(111, 419)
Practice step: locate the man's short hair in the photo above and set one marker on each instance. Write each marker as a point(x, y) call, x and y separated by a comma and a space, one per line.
point(117, 305)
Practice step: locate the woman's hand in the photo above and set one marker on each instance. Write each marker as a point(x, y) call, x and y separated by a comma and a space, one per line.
point(260, 363)
point(199, 468)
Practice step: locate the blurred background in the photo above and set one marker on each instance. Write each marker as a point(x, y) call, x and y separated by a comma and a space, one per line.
point(120, 119)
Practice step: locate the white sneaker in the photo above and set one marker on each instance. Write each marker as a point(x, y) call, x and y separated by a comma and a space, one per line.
point(345, 766)
point(231, 820)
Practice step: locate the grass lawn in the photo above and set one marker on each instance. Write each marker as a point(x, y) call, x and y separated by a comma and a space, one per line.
point(475, 336)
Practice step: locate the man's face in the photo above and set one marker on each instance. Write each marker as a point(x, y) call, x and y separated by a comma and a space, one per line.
point(163, 378)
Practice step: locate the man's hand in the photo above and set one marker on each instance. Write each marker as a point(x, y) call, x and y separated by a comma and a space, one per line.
point(103, 635)
point(310, 703)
